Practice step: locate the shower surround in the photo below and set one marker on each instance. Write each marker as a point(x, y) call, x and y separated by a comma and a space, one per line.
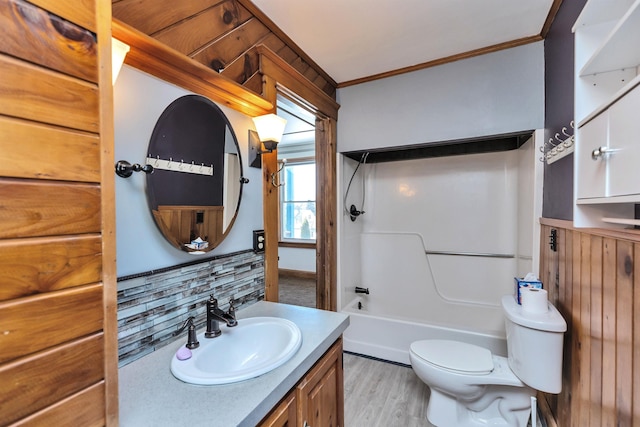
point(439, 244)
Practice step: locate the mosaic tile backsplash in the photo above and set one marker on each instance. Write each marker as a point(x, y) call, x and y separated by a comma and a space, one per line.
point(152, 306)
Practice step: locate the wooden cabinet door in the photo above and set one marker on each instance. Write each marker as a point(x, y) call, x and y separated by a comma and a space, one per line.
point(284, 415)
point(321, 392)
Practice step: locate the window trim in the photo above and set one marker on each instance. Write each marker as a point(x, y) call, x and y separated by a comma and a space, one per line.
point(292, 242)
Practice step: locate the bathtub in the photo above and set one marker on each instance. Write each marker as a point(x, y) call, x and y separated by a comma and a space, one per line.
point(389, 338)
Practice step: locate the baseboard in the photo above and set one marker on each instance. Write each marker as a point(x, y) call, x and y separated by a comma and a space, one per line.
point(296, 274)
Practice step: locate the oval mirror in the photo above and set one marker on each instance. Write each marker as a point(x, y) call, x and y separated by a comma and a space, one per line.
point(194, 191)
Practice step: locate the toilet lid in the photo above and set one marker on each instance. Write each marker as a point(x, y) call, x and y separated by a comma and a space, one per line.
point(455, 355)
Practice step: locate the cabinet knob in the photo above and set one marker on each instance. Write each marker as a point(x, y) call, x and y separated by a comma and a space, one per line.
point(601, 151)
point(306, 424)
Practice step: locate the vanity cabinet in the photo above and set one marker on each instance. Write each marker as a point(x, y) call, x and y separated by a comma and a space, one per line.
point(607, 101)
point(318, 398)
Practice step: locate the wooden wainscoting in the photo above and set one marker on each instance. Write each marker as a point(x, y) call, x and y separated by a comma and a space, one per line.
point(58, 342)
point(591, 278)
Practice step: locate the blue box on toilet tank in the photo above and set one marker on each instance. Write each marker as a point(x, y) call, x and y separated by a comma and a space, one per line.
point(521, 283)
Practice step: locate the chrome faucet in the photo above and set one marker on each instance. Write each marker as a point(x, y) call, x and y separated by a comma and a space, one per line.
point(215, 315)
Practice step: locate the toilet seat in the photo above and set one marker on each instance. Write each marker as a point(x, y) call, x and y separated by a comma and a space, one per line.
point(455, 356)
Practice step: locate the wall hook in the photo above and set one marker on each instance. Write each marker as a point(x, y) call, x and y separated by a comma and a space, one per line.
point(277, 174)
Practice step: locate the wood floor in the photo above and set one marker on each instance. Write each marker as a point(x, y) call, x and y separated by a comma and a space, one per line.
point(381, 394)
point(376, 393)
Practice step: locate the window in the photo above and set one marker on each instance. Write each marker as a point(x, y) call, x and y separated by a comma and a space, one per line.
point(298, 202)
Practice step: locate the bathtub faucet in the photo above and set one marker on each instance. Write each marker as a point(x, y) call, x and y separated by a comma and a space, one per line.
point(360, 290)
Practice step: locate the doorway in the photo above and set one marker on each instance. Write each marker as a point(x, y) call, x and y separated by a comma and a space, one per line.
point(296, 182)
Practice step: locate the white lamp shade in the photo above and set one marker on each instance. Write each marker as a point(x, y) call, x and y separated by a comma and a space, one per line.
point(118, 51)
point(270, 127)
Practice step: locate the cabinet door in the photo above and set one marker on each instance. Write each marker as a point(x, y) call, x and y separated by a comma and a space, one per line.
point(624, 135)
point(284, 415)
point(321, 392)
point(591, 175)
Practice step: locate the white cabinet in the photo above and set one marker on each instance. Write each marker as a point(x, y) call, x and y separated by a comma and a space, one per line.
point(624, 142)
point(593, 174)
point(607, 111)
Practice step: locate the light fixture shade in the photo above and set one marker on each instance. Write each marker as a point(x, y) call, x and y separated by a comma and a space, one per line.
point(118, 51)
point(270, 128)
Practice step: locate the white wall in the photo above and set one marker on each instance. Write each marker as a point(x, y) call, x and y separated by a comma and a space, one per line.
point(139, 100)
point(491, 94)
point(298, 259)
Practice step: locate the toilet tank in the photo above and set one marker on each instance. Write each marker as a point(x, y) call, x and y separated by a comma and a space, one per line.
point(534, 345)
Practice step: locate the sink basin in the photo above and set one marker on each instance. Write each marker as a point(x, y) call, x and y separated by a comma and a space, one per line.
point(254, 347)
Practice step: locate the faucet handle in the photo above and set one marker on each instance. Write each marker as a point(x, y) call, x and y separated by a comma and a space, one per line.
point(192, 339)
point(232, 307)
point(213, 301)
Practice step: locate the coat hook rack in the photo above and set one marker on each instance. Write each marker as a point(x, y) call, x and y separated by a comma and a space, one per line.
point(179, 166)
point(559, 146)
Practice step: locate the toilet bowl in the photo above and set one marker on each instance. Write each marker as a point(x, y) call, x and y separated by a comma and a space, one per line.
point(471, 387)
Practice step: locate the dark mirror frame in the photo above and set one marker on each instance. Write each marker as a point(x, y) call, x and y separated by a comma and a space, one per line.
point(190, 140)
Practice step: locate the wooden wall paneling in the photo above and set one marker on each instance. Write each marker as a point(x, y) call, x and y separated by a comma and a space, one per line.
point(197, 31)
point(602, 346)
point(290, 45)
point(78, 409)
point(624, 333)
point(576, 402)
point(595, 316)
point(243, 68)
point(39, 265)
point(159, 60)
point(34, 150)
point(150, 16)
point(565, 237)
point(44, 208)
point(81, 12)
point(59, 256)
point(609, 299)
point(38, 94)
point(34, 323)
point(226, 49)
point(585, 328)
point(32, 34)
point(77, 365)
point(636, 336)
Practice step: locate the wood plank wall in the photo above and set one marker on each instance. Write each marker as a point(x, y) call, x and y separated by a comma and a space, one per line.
point(58, 348)
point(591, 278)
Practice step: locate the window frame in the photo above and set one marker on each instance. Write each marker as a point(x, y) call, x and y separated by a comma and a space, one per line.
point(293, 242)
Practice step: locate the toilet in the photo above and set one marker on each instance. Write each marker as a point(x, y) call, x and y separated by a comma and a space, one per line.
point(471, 387)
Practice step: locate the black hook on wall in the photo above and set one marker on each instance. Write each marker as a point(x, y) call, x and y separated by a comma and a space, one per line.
point(125, 169)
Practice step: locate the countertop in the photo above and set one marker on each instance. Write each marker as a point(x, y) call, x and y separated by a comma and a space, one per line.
point(149, 395)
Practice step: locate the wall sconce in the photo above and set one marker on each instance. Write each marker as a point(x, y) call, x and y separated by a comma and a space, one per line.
point(118, 52)
point(269, 130)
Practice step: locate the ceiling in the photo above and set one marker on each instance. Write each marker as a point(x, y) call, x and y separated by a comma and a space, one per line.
point(355, 39)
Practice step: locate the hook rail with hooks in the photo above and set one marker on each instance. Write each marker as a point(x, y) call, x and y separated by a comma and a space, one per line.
point(559, 146)
point(180, 166)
